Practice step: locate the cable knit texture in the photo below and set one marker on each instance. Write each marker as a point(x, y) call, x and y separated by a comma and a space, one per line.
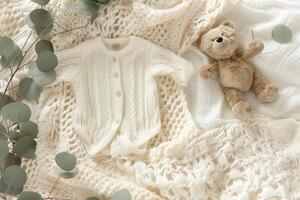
point(241, 160)
point(116, 92)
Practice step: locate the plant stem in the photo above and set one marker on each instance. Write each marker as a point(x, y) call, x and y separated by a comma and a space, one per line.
point(14, 73)
point(84, 26)
point(53, 188)
point(2, 33)
point(27, 39)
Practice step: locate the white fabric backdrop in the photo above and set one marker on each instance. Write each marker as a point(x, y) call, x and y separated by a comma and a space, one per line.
point(282, 66)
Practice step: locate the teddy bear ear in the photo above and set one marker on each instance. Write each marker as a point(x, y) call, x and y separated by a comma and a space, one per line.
point(228, 23)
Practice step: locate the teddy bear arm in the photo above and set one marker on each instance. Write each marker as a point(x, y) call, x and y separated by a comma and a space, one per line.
point(209, 70)
point(252, 49)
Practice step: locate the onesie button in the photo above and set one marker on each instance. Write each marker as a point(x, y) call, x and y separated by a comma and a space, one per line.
point(119, 94)
point(114, 59)
point(116, 46)
point(116, 75)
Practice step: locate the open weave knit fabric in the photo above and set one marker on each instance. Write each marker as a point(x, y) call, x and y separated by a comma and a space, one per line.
point(241, 160)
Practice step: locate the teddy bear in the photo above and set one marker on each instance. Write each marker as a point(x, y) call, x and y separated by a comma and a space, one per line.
point(235, 75)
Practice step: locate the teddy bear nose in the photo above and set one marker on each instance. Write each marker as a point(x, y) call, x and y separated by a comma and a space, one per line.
point(220, 39)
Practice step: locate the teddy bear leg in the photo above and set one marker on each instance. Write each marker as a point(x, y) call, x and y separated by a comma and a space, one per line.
point(265, 91)
point(237, 102)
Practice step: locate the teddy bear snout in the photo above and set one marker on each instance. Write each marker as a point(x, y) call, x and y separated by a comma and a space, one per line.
point(221, 44)
point(219, 39)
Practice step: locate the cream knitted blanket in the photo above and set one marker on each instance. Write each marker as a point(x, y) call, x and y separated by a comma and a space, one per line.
point(241, 160)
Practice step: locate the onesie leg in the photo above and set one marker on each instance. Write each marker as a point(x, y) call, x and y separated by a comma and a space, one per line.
point(237, 101)
point(265, 91)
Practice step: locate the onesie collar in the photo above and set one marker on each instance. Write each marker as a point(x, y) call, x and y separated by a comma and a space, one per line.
point(117, 46)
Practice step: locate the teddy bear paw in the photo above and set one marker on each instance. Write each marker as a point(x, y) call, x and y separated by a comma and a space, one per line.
point(207, 72)
point(256, 46)
point(241, 109)
point(268, 94)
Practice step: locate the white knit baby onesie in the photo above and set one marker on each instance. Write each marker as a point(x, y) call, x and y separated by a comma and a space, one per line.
point(116, 94)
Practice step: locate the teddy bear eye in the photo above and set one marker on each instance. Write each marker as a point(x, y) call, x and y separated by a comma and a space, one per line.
point(223, 34)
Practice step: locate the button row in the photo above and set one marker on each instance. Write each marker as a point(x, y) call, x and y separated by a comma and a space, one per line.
point(116, 75)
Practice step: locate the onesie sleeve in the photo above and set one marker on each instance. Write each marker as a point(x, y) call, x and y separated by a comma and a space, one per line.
point(69, 61)
point(165, 62)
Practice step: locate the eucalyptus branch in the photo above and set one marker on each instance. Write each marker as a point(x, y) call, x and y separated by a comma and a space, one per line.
point(13, 125)
point(66, 31)
point(18, 67)
point(54, 185)
point(11, 78)
point(2, 70)
point(62, 27)
point(26, 52)
point(27, 39)
point(23, 57)
point(2, 33)
point(3, 134)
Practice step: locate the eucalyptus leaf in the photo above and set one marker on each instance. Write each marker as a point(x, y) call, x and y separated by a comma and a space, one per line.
point(41, 78)
point(3, 148)
point(2, 162)
point(93, 198)
point(29, 89)
point(65, 161)
point(29, 23)
point(42, 20)
point(25, 147)
point(88, 6)
point(123, 194)
point(3, 132)
point(42, 31)
point(14, 176)
point(6, 44)
point(41, 2)
point(29, 128)
point(46, 61)
point(27, 195)
point(103, 1)
point(70, 174)
point(43, 45)
point(282, 34)
point(14, 135)
point(4, 100)
point(9, 190)
point(13, 57)
point(16, 112)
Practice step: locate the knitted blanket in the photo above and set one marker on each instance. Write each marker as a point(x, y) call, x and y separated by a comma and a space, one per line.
point(253, 159)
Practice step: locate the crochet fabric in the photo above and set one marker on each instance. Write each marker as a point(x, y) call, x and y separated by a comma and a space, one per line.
point(241, 160)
